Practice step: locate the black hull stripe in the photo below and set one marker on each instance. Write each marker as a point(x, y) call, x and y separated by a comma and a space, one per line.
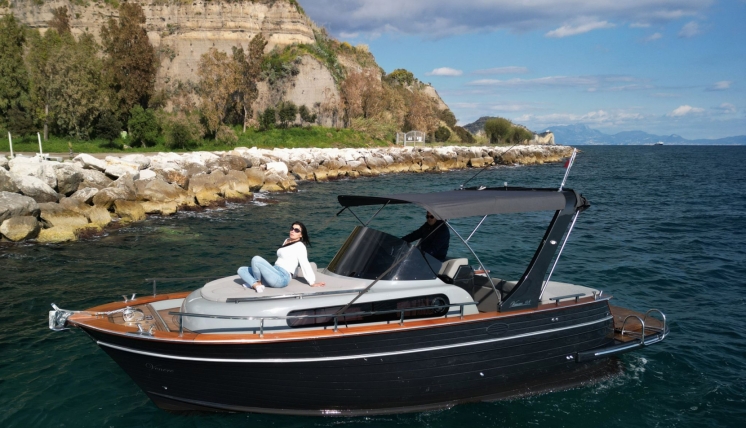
point(348, 357)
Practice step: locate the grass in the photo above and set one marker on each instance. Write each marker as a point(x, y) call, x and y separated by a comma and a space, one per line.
point(316, 136)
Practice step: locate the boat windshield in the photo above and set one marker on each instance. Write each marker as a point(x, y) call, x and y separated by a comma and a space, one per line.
point(368, 253)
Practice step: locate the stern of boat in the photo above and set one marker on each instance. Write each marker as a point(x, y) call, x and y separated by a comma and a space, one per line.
point(632, 330)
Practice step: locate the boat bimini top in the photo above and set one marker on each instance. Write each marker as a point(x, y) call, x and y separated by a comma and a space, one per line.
point(483, 201)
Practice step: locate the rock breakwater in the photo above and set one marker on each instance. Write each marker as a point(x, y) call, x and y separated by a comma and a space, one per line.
point(51, 201)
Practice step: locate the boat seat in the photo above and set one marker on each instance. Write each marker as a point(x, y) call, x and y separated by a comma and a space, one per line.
point(449, 268)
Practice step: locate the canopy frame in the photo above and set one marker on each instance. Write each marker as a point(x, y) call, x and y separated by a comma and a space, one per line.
point(481, 201)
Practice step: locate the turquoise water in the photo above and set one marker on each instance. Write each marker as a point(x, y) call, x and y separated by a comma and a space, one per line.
point(667, 230)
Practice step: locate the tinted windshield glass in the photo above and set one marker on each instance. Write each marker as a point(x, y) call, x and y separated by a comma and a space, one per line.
point(368, 253)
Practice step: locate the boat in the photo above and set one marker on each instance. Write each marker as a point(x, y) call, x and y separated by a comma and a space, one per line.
point(393, 331)
point(659, 143)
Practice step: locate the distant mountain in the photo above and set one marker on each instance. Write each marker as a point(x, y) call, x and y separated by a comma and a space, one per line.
point(580, 135)
point(577, 135)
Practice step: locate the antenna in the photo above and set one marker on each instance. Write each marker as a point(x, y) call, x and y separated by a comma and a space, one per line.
point(568, 165)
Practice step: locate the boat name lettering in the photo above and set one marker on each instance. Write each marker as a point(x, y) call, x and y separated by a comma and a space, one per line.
point(151, 366)
point(519, 303)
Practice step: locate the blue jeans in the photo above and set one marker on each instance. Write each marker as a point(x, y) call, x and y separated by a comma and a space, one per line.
point(262, 270)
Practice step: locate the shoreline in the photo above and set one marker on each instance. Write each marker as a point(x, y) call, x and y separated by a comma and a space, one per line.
point(46, 201)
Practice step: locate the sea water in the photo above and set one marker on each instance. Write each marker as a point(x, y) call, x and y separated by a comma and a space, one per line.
point(666, 230)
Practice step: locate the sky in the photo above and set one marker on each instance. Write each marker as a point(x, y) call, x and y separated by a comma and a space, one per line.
point(659, 66)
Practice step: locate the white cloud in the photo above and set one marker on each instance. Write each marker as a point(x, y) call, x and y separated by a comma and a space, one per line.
point(727, 108)
point(502, 70)
point(445, 71)
point(685, 110)
point(541, 81)
point(573, 30)
point(720, 86)
point(442, 18)
point(691, 29)
point(597, 118)
point(653, 37)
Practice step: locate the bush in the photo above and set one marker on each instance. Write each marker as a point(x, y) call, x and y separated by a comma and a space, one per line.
point(267, 119)
point(287, 112)
point(442, 134)
point(226, 136)
point(305, 115)
point(465, 136)
point(108, 127)
point(183, 133)
point(498, 129)
point(143, 127)
point(448, 117)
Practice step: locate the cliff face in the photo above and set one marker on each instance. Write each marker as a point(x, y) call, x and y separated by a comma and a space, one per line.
point(181, 33)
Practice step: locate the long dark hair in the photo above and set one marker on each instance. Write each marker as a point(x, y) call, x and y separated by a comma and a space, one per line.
point(304, 233)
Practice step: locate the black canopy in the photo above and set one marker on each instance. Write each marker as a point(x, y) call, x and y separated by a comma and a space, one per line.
point(472, 202)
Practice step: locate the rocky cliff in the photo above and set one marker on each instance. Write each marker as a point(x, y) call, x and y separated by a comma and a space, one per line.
point(182, 32)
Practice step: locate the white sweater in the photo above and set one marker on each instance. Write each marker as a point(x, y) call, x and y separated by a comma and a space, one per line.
point(293, 255)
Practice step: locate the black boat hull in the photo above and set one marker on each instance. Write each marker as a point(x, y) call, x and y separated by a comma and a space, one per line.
point(392, 371)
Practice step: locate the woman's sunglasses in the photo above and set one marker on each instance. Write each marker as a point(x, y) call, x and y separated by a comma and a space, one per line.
point(429, 216)
point(295, 229)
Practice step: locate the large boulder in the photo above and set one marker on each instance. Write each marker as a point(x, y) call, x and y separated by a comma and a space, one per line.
point(273, 183)
point(227, 162)
point(98, 216)
point(56, 215)
point(68, 178)
point(139, 159)
point(35, 188)
point(20, 228)
point(206, 187)
point(3, 162)
point(105, 197)
point(85, 195)
point(129, 210)
point(55, 235)
point(6, 182)
point(256, 178)
point(161, 208)
point(127, 183)
point(95, 179)
point(175, 176)
point(26, 166)
point(116, 167)
point(279, 168)
point(89, 162)
point(157, 190)
point(15, 205)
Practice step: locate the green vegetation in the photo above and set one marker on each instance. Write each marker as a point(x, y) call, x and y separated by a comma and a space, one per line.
point(501, 130)
point(183, 135)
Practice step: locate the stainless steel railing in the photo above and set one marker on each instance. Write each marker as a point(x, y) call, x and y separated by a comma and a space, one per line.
point(335, 317)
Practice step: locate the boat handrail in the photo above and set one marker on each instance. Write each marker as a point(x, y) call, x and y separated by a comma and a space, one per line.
point(630, 332)
point(569, 296)
point(181, 315)
point(299, 296)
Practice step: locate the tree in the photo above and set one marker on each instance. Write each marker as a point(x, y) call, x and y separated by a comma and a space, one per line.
point(215, 87)
point(247, 72)
point(182, 132)
point(287, 112)
point(40, 49)
point(422, 115)
point(520, 134)
point(14, 92)
point(143, 126)
point(76, 90)
point(498, 129)
point(130, 62)
point(60, 20)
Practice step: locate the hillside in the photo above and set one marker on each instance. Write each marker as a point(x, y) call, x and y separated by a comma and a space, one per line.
point(181, 32)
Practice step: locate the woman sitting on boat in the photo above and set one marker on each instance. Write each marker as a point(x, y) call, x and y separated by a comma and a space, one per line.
point(290, 255)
